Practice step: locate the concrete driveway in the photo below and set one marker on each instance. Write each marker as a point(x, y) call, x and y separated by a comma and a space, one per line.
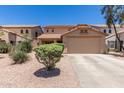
point(98, 70)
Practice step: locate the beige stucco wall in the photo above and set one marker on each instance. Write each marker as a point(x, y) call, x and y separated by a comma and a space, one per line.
point(17, 30)
point(56, 30)
point(8, 36)
point(113, 38)
point(31, 30)
point(12, 37)
point(91, 42)
point(122, 36)
point(34, 30)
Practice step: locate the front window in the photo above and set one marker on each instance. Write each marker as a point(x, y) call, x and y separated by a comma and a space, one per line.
point(36, 34)
point(47, 30)
point(83, 31)
point(21, 31)
point(110, 30)
point(111, 44)
point(104, 30)
point(26, 31)
point(53, 30)
point(86, 31)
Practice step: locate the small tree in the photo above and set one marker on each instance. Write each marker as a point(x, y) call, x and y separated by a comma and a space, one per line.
point(113, 15)
point(49, 54)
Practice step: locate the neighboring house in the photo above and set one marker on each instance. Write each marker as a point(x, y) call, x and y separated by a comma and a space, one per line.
point(10, 37)
point(77, 39)
point(105, 29)
point(113, 43)
point(17, 33)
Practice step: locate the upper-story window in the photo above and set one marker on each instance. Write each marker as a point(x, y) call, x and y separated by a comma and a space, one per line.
point(52, 30)
point(47, 30)
point(21, 31)
point(86, 31)
point(26, 31)
point(104, 30)
point(83, 31)
point(36, 34)
point(110, 31)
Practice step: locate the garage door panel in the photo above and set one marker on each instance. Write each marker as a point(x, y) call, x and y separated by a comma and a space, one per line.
point(84, 45)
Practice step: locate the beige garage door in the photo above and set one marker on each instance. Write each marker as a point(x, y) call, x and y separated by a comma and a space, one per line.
point(83, 45)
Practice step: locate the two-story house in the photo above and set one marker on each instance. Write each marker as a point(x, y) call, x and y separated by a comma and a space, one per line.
point(14, 34)
point(113, 43)
point(104, 28)
point(81, 38)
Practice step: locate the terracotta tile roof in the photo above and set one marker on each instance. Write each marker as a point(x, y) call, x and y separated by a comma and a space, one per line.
point(80, 26)
point(58, 26)
point(50, 36)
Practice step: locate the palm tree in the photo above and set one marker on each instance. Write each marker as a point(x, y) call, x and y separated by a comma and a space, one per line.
point(113, 14)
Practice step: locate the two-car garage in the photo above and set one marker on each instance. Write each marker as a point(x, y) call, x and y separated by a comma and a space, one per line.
point(84, 45)
point(84, 40)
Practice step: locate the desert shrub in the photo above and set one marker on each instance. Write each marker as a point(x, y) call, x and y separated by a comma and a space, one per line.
point(12, 50)
point(19, 57)
point(111, 49)
point(49, 54)
point(25, 46)
point(117, 50)
point(114, 50)
point(4, 47)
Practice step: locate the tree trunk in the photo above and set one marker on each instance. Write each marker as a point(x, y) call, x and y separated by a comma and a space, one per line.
point(117, 35)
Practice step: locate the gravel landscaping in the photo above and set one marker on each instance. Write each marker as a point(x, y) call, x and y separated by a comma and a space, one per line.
point(31, 75)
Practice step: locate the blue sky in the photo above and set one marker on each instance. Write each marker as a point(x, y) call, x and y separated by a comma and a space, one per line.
point(51, 15)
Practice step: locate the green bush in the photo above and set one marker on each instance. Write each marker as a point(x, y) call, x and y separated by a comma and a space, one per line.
point(4, 47)
point(113, 50)
point(25, 46)
point(49, 54)
point(12, 50)
point(19, 57)
point(117, 50)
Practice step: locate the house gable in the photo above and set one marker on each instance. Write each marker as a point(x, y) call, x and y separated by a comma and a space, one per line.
point(84, 32)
